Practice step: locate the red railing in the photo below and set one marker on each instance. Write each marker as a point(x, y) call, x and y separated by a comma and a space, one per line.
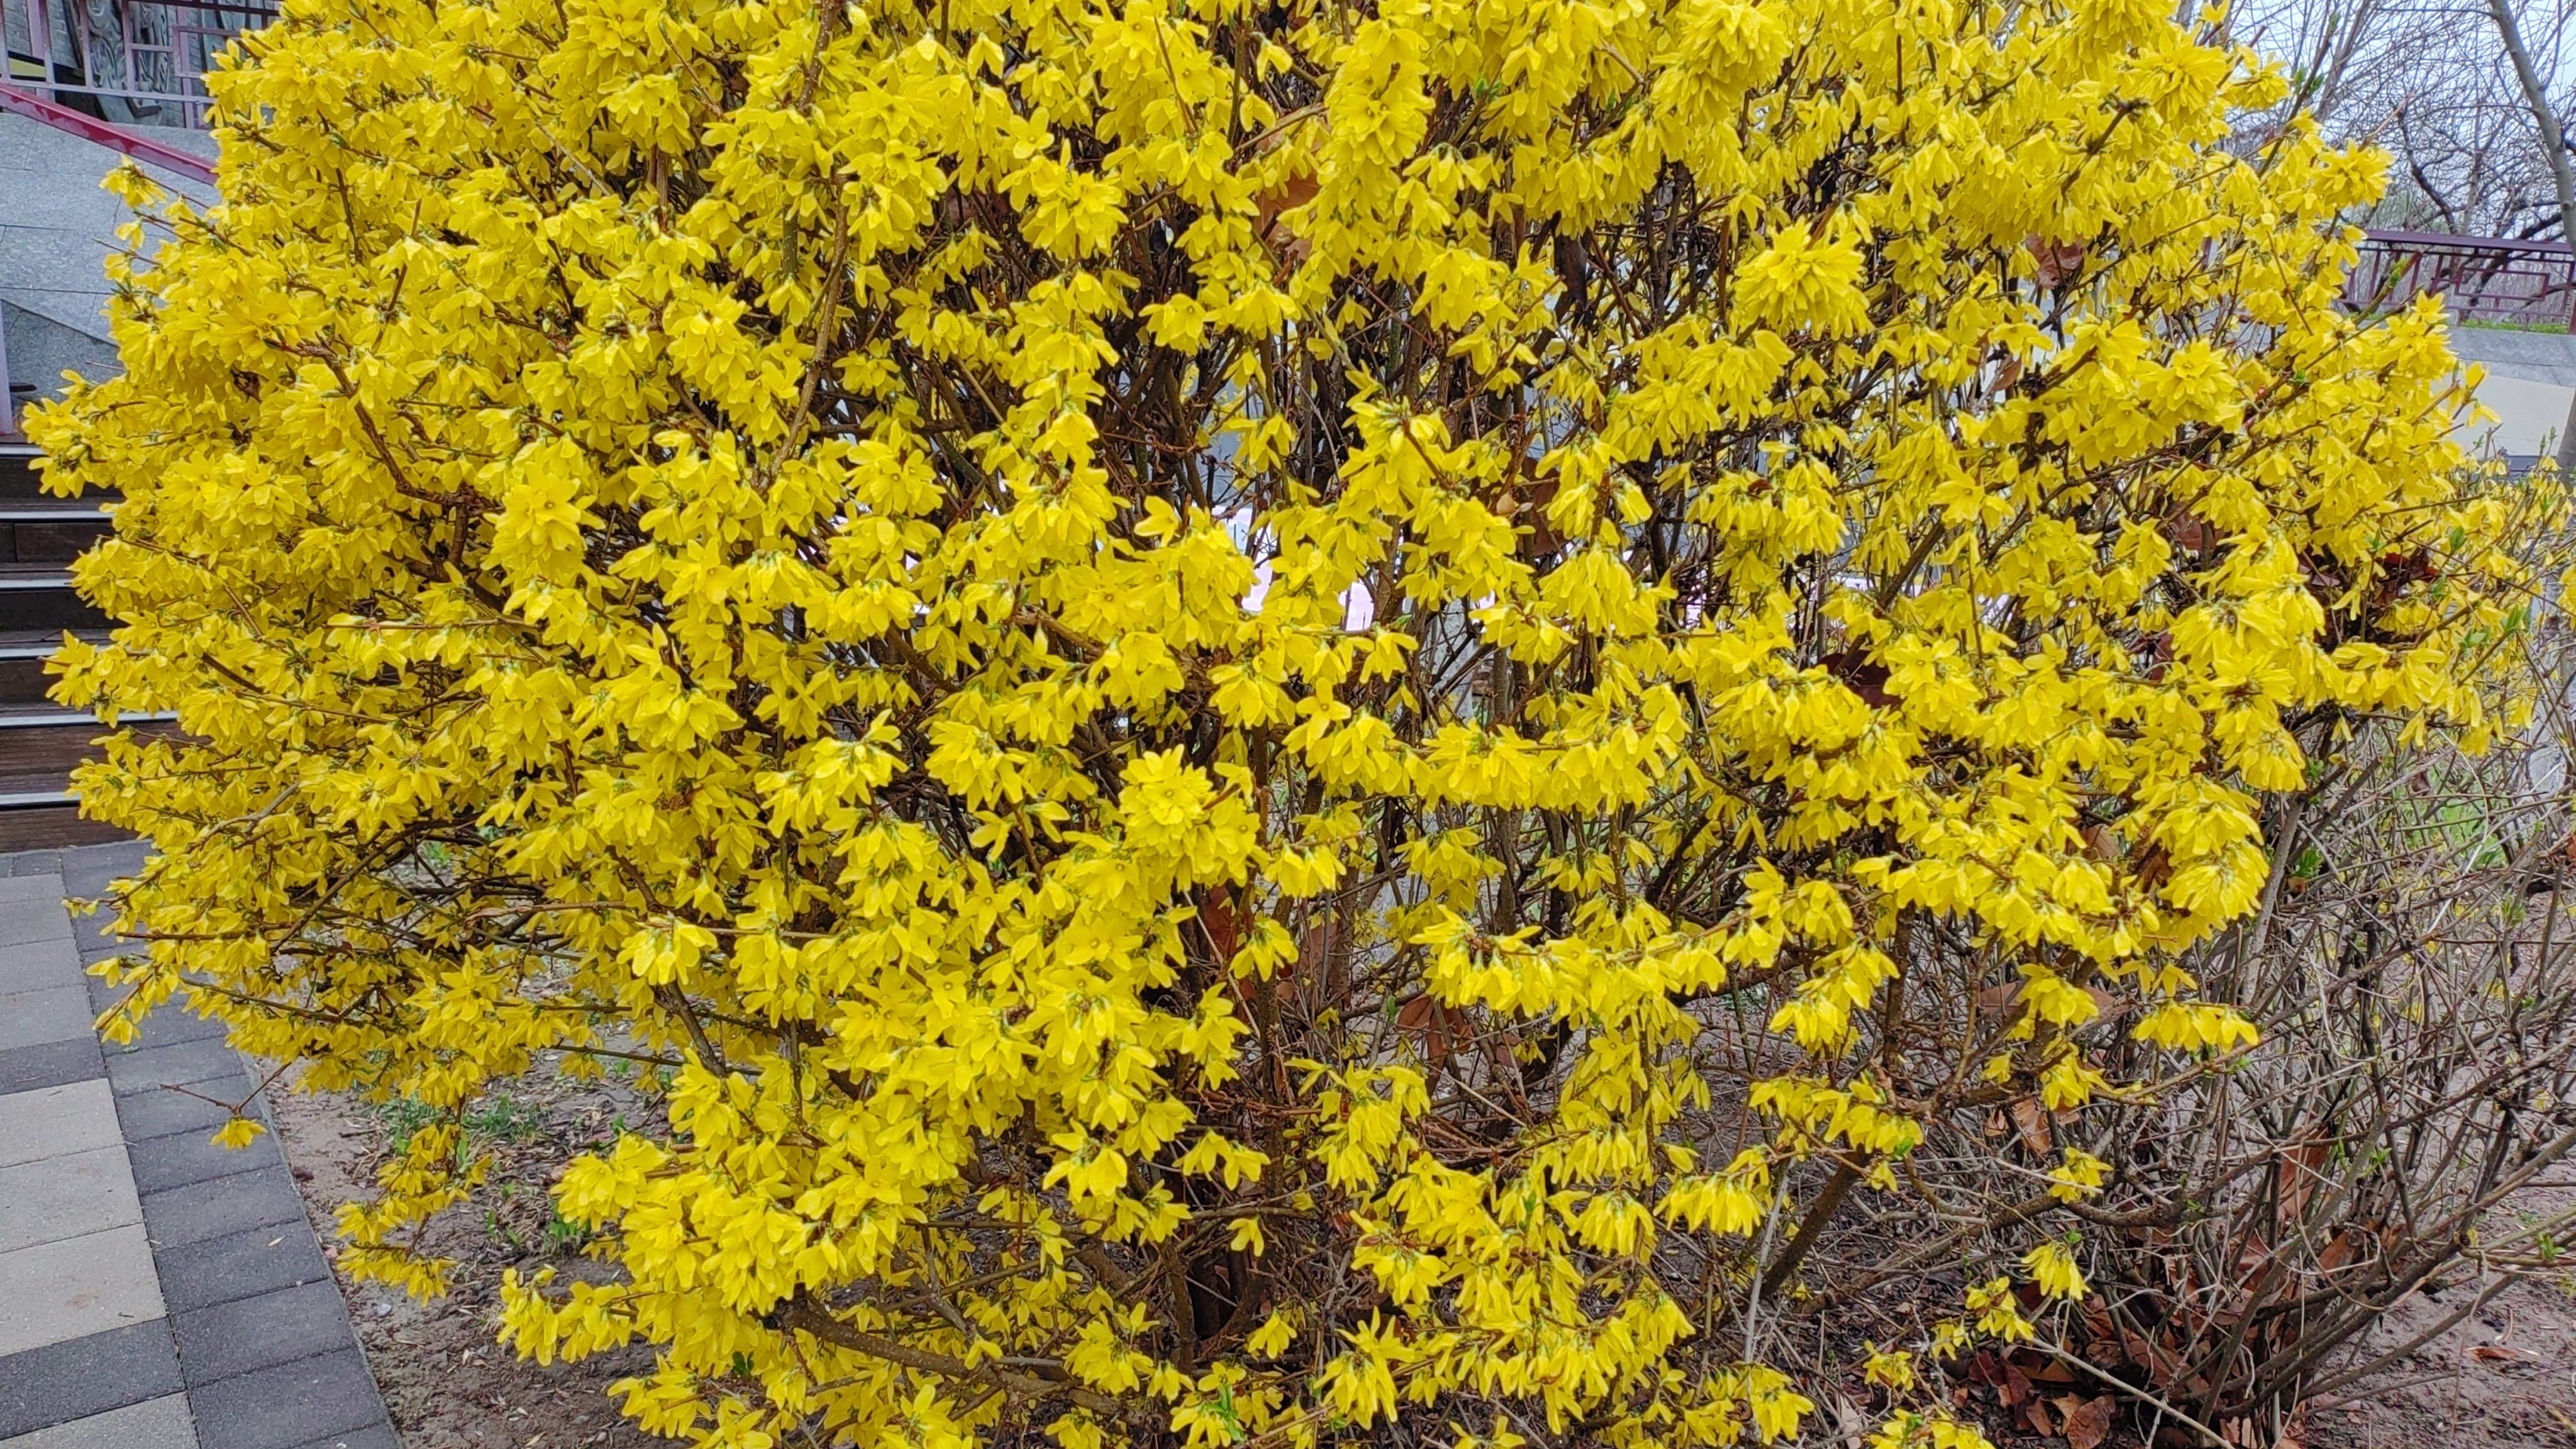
point(124, 62)
point(135, 143)
point(2480, 279)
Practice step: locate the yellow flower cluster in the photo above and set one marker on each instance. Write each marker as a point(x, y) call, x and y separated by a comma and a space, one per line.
point(1212, 683)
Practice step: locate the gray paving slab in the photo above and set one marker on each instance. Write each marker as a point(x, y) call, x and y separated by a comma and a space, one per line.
point(33, 921)
point(263, 1331)
point(70, 1196)
point(180, 1158)
point(206, 1210)
point(94, 936)
point(54, 1121)
point(89, 871)
point(33, 863)
point(39, 886)
point(76, 1287)
point(82, 1377)
point(27, 1068)
point(285, 1406)
point(145, 1069)
point(91, 885)
point(171, 1024)
point(36, 965)
point(50, 1013)
point(241, 1265)
point(161, 1423)
point(147, 1115)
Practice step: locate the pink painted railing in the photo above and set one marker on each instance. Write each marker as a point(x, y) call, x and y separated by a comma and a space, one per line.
point(130, 63)
point(133, 142)
point(2480, 279)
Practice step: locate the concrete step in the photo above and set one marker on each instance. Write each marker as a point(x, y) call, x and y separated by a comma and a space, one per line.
point(49, 537)
point(19, 480)
point(23, 680)
point(39, 748)
point(52, 827)
point(40, 598)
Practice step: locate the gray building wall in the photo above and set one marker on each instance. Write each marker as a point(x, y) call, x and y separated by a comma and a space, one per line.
point(56, 229)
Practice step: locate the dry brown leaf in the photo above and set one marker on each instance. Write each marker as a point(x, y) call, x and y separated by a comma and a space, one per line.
point(1432, 1021)
point(1287, 245)
point(2088, 1423)
point(2338, 1251)
point(2032, 1119)
point(2059, 261)
point(2295, 1175)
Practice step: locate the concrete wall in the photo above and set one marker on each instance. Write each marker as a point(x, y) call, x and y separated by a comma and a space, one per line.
point(2530, 387)
point(56, 228)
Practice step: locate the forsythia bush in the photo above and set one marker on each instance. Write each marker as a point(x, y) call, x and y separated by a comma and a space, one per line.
point(1282, 718)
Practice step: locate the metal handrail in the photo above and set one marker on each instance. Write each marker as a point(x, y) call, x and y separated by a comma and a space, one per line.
point(124, 62)
point(134, 143)
point(2480, 279)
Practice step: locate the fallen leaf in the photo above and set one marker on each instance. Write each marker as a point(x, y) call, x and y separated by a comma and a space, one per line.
point(2033, 1122)
point(2090, 1423)
point(2050, 1371)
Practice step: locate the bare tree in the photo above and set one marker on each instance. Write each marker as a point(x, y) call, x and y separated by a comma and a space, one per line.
point(2462, 115)
point(2544, 111)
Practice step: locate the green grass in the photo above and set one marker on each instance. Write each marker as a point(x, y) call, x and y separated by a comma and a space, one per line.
point(2557, 328)
point(498, 1118)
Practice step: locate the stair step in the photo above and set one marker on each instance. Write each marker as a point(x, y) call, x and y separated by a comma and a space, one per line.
point(23, 680)
point(37, 753)
point(52, 827)
point(55, 717)
point(41, 742)
point(52, 541)
point(38, 757)
point(19, 479)
point(42, 599)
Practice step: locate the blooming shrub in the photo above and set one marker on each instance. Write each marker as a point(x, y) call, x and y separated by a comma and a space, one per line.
point(1286, 718)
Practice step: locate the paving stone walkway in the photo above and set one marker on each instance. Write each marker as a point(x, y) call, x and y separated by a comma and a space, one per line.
point(156, 1291)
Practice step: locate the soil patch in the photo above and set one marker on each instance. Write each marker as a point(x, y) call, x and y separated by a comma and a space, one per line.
point(447, 1381)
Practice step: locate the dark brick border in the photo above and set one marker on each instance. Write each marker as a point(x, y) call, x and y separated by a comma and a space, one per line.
point(79, 1377)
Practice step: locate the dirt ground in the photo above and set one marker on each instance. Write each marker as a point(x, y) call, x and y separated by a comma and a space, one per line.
point(446, 1380)
point(2506, 1376)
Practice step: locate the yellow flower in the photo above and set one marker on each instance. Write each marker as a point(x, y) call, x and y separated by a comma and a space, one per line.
point(1164, 670)
point(238, 1132)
